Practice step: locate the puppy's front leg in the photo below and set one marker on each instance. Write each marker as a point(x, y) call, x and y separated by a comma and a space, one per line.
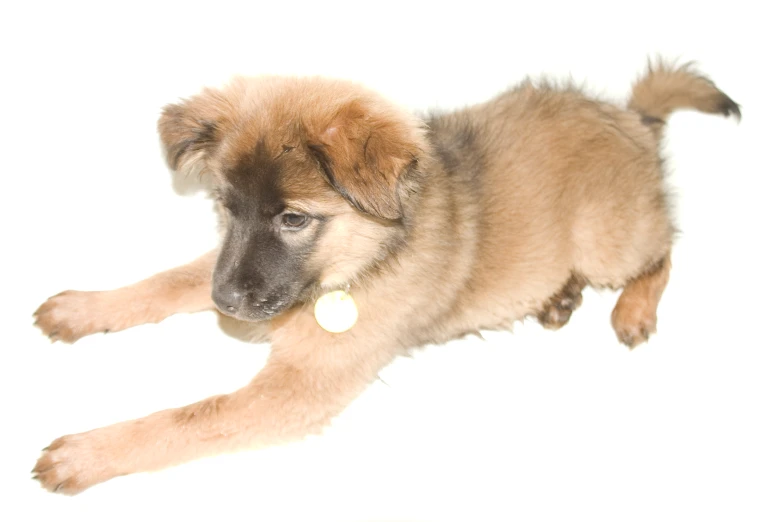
point(296, 394)
point(71, 315)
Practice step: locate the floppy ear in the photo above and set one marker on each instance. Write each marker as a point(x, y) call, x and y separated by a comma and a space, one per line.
point(190, 130)
point(365, 152)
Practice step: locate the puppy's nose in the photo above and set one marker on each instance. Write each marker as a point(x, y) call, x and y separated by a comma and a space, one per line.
point(228, 300)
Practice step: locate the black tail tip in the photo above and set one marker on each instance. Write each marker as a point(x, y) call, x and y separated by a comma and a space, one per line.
point(729, 107)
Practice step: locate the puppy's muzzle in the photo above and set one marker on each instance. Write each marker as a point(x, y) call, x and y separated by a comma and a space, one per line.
point(245, 304)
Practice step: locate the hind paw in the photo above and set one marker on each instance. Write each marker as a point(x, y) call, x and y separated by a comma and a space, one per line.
point(633, 325)
point(556, 313)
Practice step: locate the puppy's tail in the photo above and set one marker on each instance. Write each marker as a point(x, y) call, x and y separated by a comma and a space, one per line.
point(666, 88)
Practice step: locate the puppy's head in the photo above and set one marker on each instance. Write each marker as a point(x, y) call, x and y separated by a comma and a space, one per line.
point(312, 178)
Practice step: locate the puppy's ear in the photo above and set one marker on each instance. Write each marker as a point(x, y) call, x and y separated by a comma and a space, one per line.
point(190, 130)
point(365, 152)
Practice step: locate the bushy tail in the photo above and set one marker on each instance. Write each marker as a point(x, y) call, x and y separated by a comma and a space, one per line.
point(666, 88)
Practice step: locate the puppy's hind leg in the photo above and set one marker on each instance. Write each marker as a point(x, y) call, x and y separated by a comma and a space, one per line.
point(634, 317)
point(70, 315)
point(557, 311)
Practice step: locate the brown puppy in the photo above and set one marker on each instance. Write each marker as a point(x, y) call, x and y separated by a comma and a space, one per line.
point(440, 227)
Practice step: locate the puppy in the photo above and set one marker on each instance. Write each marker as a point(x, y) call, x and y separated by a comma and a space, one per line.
point(436, 228)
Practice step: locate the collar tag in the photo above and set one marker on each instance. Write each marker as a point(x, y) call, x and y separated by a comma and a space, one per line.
point(336, 311)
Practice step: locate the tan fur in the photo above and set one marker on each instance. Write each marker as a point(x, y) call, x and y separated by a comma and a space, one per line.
point(500, 211)
point(71, 315)
point(635, 316)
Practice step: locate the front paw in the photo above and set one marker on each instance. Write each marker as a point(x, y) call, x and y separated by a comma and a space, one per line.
point(73, 463)
point(71, 315)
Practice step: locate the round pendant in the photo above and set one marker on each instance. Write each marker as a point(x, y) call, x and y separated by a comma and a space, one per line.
point(336, 311)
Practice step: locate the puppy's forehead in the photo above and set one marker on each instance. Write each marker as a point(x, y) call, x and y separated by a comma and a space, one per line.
point(255, 178)
point(267, 179)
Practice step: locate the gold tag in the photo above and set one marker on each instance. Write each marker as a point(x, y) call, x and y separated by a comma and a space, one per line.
point(336, 312)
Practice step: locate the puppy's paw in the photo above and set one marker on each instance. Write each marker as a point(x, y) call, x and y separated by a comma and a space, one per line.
point(71, 315)
point(633, 323)
point(73, 463)
point(556, 313)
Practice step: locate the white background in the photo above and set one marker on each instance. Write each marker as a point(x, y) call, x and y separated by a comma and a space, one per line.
point(533, 425)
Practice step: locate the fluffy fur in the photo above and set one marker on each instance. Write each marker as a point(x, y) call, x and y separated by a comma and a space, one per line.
point(464, 221)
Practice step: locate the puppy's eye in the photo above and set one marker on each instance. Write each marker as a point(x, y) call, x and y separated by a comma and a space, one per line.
point(287, 148)
point(293, 221)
